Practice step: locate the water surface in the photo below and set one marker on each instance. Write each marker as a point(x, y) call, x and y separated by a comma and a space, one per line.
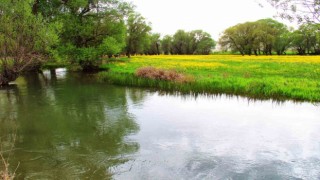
point(68, 126)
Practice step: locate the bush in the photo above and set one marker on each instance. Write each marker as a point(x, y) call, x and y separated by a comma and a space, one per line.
point(161, 74)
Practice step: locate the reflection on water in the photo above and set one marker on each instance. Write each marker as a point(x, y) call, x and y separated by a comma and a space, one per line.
point(225, 138)
point(68, 129)
point(71, 127)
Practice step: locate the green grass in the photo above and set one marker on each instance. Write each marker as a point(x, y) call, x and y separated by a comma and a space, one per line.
point(278, 77)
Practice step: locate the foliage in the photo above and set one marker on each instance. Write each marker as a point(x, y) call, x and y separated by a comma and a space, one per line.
point(283, 42)
point(91, 29)
point(25, 39)
point(279, 77)
point(153, 46)
point(110, 46)
point(166, 44)
point(181, 42)
point(194, 42)
point(272, 35)
point(307, 39)
point(137, 34)
point(240, 38)
point(261, 37)
point(201, 42)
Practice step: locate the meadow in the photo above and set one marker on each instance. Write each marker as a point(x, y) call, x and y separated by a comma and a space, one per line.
point(277, 77)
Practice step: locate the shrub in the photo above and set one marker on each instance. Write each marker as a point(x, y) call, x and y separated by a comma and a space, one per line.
point(162, 74)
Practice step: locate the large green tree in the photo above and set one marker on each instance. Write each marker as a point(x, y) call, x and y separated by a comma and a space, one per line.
point(92, 29)
point(25, 38)
point(283, 42)
point(306, 40)
point(201, 42)
point(193, 42)
point(272, 35)
point(181, 42)
point(153, 45)
point(261, 37)
point(240, 38)
point(137, 34)
point(166, 44)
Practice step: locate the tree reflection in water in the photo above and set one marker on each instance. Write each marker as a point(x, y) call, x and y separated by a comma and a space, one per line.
point(69, 127)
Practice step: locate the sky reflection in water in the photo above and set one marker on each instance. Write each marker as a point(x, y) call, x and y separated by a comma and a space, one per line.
point(222, 137)
point(70, 126)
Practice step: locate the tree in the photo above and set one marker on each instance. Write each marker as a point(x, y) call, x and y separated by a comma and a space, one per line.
point(181, 42)
point(92, 29)
point(300, 10)
point(262, 36)
point(25, 39)
point(193, 42)
point(166, 44)
point(47, 8)
point(110, 46)
point(240, 38)
point(153, 45)
point(201, 43)
point(283, 42)
point(272, 35)
point(306, 40)
point(137, 34)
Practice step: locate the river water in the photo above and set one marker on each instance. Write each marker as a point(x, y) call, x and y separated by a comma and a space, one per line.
point(65, 125)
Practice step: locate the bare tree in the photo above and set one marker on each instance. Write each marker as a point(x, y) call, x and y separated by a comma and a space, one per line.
point(298, 10)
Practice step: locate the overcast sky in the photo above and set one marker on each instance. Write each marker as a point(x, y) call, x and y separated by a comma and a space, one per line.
point(212, 16)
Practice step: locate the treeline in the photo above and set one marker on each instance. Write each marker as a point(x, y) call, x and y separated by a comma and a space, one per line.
point(181, 43)
point(81, 32)
point(194, 42)
point(268, 36)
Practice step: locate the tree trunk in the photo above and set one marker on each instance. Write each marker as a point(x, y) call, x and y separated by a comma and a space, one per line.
point(35, 7)
point(8, 75)
point(128, 53)
point(89, 67)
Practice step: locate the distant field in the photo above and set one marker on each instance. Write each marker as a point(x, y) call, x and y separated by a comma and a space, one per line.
point(279, 77)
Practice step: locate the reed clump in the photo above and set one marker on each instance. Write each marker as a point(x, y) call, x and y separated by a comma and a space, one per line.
point(7, 144)
point(5, 173)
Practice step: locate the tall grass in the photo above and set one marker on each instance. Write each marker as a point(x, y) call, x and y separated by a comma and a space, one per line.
point(278, 77)
point(259, 88)
point(5, 173)
point(6, 150)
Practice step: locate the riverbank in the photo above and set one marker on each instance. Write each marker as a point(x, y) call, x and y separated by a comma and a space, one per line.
point(278, 77)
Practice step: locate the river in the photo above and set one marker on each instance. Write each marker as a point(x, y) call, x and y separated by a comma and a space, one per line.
point(65, 125)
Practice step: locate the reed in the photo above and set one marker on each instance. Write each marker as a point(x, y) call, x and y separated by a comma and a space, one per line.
point(7, 145)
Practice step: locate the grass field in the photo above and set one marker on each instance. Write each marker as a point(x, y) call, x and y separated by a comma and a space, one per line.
point(278, 77)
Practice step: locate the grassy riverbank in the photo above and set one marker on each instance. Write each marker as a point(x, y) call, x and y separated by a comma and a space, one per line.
point(279, 77)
